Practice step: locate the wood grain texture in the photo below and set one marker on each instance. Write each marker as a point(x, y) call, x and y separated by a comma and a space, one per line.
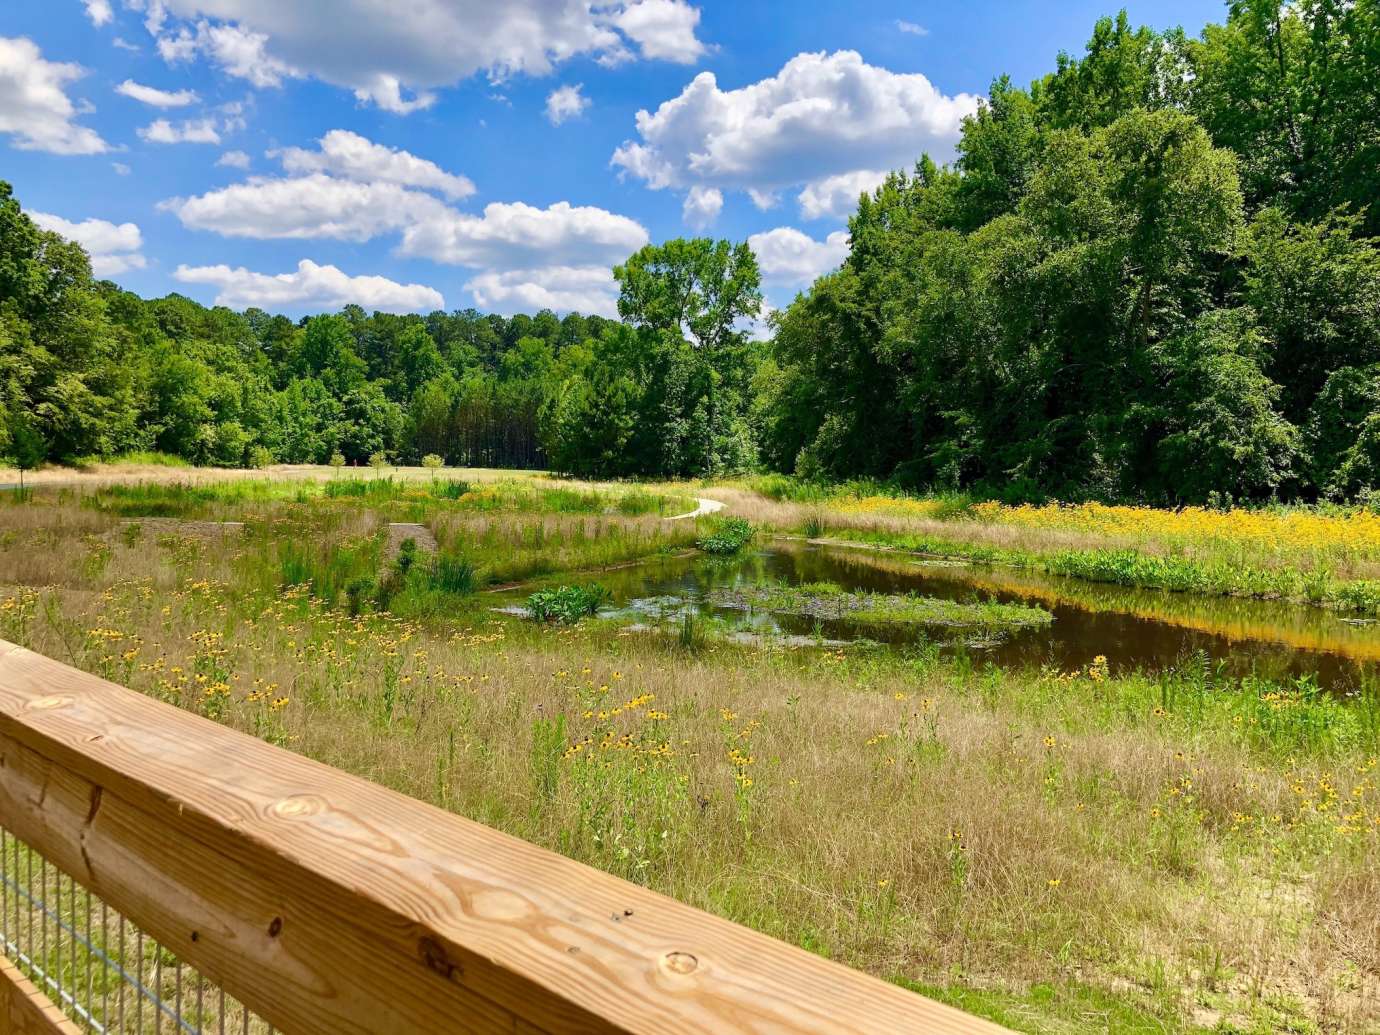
point(24, 1010)
point(329, 904)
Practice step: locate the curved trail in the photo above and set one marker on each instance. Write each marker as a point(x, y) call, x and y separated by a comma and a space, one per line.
point(705, 507)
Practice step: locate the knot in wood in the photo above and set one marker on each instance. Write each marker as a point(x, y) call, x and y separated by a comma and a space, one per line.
point(679, 962)
point(297, 806)
point(434, 956)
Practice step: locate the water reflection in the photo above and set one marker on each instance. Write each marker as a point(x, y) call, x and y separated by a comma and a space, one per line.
point(1135, 629)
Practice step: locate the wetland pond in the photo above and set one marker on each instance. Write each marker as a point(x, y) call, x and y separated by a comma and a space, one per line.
point(801, 593)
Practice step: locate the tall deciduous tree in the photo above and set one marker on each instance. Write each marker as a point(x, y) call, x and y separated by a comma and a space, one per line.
point(702, 292)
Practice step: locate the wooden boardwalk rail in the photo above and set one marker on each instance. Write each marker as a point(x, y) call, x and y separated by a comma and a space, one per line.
point(328, 904)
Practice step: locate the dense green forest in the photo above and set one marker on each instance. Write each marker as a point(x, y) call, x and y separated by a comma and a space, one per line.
point(1148, 276)
point(89, 371)
point(1151, 275)
point(93, 371)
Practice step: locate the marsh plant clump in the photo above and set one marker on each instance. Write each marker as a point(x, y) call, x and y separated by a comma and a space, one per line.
point(729, 536)
point(567, 604)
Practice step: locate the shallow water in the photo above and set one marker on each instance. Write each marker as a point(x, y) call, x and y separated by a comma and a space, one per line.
point(1149, 630)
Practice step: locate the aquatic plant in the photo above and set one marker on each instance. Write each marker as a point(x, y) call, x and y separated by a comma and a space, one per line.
point(729, 536)
point(567, 604)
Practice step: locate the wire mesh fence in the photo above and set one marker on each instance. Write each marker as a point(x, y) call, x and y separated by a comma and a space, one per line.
point(96, 965)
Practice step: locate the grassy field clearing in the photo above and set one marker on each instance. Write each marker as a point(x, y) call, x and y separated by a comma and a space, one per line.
point(1063, 851)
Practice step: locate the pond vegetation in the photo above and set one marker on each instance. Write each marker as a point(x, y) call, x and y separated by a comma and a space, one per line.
point(826, 600)
point(730, 535)
point(567, 604)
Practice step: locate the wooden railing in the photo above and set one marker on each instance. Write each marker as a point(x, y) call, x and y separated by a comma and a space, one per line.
point(328, 904)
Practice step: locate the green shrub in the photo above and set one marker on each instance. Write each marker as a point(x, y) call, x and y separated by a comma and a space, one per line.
point(407, 556)
point(337, 459)
point(378, 460)
point(261, 457)
point(567, 604)
point(729, 536)
point(358, 592)
point(432, 462)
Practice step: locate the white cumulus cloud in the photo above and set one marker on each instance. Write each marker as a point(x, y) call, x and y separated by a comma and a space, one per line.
point(788, 257)
point(312, 206)
point(663, 29)
point(342, 153)
point(310, 287)
point(515, 235)
point(822, 115)
point(190, 131)
point(837, 196)
point(565, 102)
point(352, 189)
point(98, 11)
point(237, 50)
point(113, 247)
point(396, 55)
point(233, 160)
point(586, 289)
point(702, 206)
point(34, 106)
point(155, 97)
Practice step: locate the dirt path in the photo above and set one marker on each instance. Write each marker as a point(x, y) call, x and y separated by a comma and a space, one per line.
point(705, 507)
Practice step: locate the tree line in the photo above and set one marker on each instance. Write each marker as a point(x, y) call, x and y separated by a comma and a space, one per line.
point(88, 370)
point(1152, 274)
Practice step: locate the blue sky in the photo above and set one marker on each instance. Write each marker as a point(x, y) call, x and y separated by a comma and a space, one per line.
point(298, 154)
